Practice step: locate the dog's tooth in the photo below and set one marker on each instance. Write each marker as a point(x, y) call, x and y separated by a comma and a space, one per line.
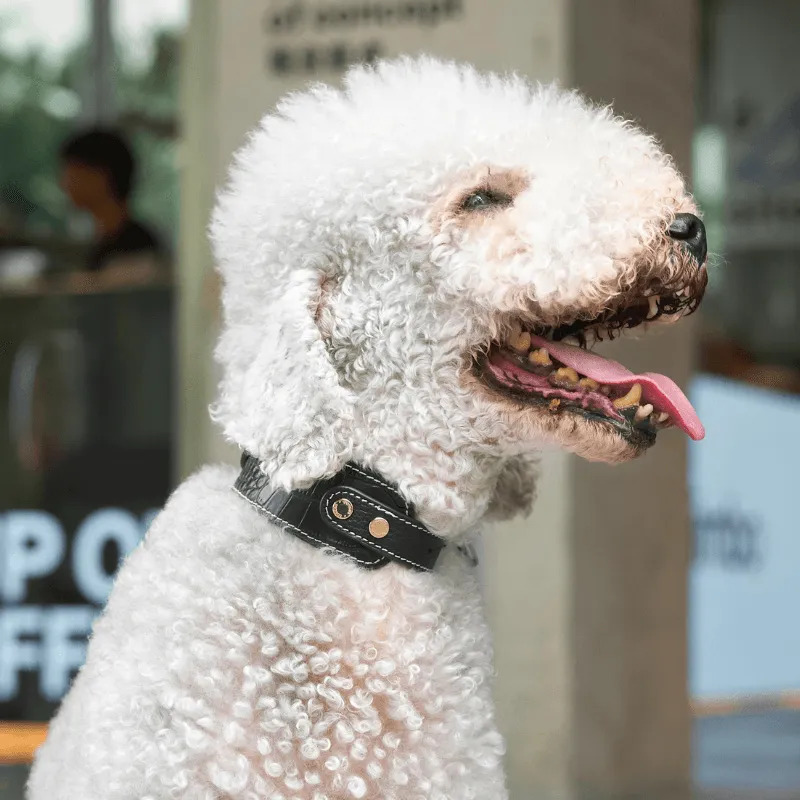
point(589, 384)
point(566, 375)
point(540, 357)
point(571, 340)
point(662, 417)
point(653, 303)
point(632, 398)
point(513, 336)
point(523, 342)
point(643, 412)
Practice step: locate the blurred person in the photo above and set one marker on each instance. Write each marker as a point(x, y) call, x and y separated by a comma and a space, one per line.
point(98, 176)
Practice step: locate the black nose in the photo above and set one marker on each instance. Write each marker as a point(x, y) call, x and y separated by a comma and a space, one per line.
point(689, 229)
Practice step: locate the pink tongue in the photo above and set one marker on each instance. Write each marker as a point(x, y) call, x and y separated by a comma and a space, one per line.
point(659, 390)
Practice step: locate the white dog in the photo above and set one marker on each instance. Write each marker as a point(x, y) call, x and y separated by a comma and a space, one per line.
point(404, 262)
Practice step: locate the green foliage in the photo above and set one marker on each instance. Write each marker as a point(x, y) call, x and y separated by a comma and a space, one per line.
point(40, 106)
point(30, 133)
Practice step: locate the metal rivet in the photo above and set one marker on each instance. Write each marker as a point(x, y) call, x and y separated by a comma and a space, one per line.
point(342, 509)
point(379, 527)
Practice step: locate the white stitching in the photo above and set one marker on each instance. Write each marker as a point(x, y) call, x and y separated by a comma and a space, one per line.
point(378, 481)
point(368, 541)
point(296, 530)
point(382, 510)
point(371, 544)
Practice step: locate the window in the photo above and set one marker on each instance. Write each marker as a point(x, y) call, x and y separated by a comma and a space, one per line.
point(747, 179)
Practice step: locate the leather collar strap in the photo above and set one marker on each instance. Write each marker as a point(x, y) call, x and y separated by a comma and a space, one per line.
point(355, 512)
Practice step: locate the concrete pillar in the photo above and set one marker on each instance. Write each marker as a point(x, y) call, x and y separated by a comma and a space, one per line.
point(203, 167)
point(587, 598)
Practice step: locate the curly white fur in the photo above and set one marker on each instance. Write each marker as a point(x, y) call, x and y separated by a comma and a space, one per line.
point(233, 661)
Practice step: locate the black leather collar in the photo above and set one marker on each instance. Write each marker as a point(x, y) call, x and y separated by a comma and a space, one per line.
point(355, 512)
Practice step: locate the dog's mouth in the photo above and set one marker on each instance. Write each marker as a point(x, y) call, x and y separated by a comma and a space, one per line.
point(551, 367)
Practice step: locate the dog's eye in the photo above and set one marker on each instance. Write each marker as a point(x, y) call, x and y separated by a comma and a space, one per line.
point(485, 199)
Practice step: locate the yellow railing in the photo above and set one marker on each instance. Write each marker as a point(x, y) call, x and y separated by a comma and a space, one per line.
point(20, 740)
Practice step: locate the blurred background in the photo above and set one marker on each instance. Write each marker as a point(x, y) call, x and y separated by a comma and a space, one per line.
point(117, 118)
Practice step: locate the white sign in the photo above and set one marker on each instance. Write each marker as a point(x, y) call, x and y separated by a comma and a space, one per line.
point(745, 580)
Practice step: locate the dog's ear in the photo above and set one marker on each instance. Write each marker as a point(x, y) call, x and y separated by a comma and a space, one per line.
point(280, 398)
point(515, 490)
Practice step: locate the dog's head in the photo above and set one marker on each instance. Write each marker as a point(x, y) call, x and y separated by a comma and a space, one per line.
point(415, 267)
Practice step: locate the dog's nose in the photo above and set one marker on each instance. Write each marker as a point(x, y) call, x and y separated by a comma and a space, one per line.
point(689, 229)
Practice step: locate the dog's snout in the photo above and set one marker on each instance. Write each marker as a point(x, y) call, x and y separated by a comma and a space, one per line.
point(689, 229)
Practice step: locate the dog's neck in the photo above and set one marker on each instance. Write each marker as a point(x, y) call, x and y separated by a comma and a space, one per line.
point(450, 492)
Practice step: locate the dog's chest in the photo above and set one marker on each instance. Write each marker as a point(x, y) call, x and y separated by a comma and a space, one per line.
point(235, 662)
point(339, 683)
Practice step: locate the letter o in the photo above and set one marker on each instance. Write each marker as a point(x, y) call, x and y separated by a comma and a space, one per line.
point(107, 525)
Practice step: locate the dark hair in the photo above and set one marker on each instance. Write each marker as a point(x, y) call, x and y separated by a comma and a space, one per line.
point(107, 150)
